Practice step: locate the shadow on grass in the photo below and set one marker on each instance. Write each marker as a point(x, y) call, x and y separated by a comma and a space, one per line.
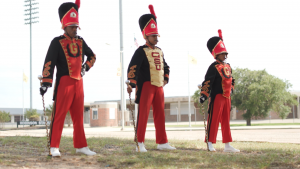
point(120, 153)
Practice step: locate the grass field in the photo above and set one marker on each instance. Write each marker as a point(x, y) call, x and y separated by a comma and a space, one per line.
point(31, 152)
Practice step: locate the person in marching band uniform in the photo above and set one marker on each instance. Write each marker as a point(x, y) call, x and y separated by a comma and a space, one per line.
point(218, 86)
point(149, 73)
point(66, 52)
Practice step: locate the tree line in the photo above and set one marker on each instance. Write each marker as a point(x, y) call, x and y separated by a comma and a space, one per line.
point(4, 117)
point(32, 115)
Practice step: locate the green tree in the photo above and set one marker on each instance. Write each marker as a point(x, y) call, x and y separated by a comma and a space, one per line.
point(32, 115)
point(257, 92)
point(196, 97)
point(49, 110)
point(284, 104)
point(4, 117)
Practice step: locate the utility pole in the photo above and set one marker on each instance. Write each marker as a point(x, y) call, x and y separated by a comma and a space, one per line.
point(122, 65)
point(190, 125)
point(31, 10)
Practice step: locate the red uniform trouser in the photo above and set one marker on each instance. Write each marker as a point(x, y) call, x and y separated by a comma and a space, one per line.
point(69, 98)
point(152, 95)
point(220, 114)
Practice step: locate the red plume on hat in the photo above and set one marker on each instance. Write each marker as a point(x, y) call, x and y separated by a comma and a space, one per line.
point(220, 34)
point(68, 13)
point(152, 10)
point(77, 2)
point(216, 45)
point(148, 23)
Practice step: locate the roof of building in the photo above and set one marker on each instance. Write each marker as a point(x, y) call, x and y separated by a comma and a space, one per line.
point(18, 111)
point(296, 92)
point(167, 100)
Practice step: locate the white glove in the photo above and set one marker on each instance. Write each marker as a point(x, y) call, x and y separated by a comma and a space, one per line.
point(83, 70)
point(202, 99)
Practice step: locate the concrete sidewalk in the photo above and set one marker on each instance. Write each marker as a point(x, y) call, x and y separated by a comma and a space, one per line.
point(232, 128)
point(193, 123)
point(237, 122)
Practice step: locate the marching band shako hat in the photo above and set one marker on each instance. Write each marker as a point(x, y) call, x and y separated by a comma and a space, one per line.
point(148, 23)
point(68, 14)
point(216, 45)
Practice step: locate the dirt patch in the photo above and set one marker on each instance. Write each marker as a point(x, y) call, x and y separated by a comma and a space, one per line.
point(275, 165)
point(24, 156)
point(42, 161)
point(108, 147)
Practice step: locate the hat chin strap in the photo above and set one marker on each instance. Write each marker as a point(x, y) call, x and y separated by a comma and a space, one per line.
point(151, 43)
point(147, 41)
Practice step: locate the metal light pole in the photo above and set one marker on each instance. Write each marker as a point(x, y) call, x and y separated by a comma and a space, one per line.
point(190, 125)
point(122, 64)
point(195, 112)
point(293, 114)
point(177, 114)
point(29, 21)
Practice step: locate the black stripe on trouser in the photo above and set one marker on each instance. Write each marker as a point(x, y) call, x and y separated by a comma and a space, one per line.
point(210, 118)
point(52, 120)
point(137, 121)
point(53, 107)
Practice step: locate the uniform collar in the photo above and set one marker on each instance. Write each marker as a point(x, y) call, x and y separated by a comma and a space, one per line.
point(69, 38)
point(220, 62)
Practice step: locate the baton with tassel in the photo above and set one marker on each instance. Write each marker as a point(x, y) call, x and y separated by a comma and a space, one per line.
point(40, 77)
point(202, 106)
point(130, 108)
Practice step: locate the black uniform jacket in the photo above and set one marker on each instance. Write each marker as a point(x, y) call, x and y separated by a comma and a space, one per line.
point(67, 55)
point(139, 69)
point(218, 80)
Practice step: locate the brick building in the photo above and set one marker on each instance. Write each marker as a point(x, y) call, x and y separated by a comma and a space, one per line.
point(176, 109)
point(103, 114)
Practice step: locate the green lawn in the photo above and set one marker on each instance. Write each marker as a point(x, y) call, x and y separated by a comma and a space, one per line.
point(120, 153)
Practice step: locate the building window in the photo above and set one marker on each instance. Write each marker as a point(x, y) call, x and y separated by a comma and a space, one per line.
point(112, 113)
point(95, 114)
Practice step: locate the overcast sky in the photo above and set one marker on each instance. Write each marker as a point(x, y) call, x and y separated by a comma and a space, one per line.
point(257, 34)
